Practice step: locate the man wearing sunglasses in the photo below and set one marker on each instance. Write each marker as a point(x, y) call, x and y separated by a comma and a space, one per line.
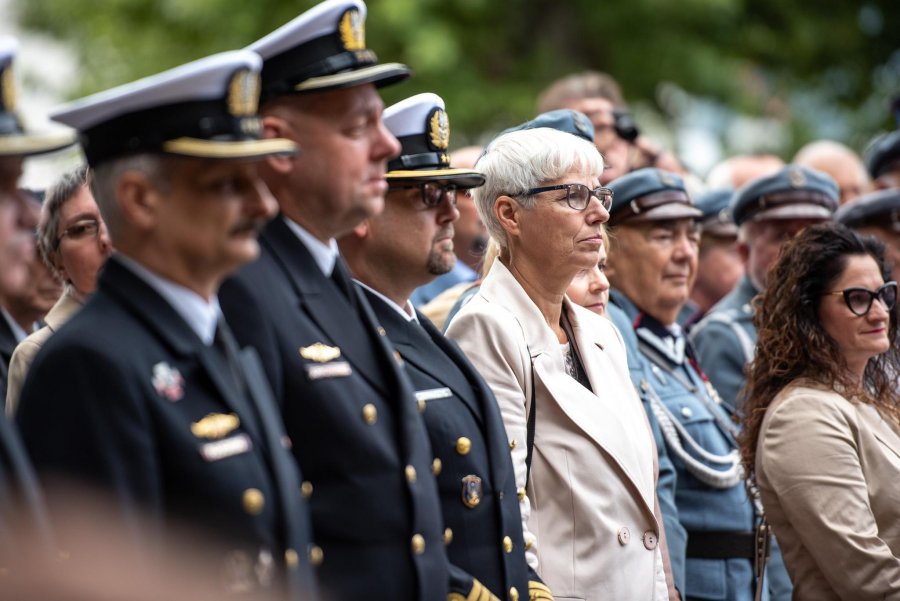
point(390, 255)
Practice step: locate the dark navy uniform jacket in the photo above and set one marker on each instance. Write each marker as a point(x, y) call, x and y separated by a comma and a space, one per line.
point(351, 414)
point(126, 398)
point(472, 462)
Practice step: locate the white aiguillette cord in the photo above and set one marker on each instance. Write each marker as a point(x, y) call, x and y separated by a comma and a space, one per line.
point(674, 433)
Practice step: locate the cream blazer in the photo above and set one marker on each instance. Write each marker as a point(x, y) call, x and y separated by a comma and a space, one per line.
point(25, 352)
point(829, 474)
point(588, 516)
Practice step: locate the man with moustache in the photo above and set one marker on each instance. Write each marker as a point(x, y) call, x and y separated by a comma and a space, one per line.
point(143, 397)
point(348, 408)
point(391, 254)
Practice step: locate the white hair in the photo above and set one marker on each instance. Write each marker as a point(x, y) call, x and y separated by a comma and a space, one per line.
point(106, 178)
point(520, 160)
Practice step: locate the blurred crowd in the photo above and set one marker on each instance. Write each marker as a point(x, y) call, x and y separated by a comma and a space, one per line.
point(275, 340)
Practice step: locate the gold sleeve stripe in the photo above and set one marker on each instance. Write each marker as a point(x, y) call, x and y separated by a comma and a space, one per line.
point(537, 591)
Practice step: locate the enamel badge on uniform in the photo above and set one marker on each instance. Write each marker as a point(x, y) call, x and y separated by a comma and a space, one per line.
point(215, 425)
point(168, 381)
point(471, 491)
point(320, 353)
point(432, 394)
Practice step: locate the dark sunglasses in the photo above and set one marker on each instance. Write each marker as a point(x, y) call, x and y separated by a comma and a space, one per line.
point(859, 300)
point(577, 195)
point(433, 194)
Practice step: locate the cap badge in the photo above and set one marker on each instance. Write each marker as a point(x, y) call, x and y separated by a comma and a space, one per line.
point(797, 178)
point(353, 31)
point(667, 179)
point(583, 125)
point(471, 491)
point(439, 129)
point(167, 381)
point(243, 93)
point(7, 86)
point(320, 353)
point(215, 425)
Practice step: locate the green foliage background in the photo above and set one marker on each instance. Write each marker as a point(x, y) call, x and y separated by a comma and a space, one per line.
point(803, 62)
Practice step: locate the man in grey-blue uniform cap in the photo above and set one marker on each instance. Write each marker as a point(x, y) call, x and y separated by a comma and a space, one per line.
point(651, 266)
point(767, 211)
point(876, 214)
point(719, 266)
point(882, 159)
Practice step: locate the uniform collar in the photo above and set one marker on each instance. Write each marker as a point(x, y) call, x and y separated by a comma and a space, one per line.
point(325, 255)
point(201, 315)
point(409, 314)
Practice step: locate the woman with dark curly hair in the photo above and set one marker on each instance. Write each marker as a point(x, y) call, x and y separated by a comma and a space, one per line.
point(822, 426)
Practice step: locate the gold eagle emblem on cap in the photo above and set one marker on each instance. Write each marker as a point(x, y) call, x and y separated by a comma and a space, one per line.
point(215, 425)
point(320, 353)
point(243, 93)
point(353, 30)
point(439, 129)
point(8, 89)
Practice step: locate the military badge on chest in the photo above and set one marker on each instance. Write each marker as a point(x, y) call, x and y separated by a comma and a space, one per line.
point(326, 356)
point(167, 381)
point(471, 491)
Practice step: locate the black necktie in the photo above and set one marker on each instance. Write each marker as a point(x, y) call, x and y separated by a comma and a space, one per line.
point(227, 347)
point(343, 283)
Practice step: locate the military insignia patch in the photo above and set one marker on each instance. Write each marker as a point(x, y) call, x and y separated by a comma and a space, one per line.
point(797, 178)
point(352, 30)
point(583, 125)
point(215, 425)
point(471, 491)
point(439, 129)
point(243, 93)
point(8, 89)
point(320, 353)
point(666, 179)
point(167, 381)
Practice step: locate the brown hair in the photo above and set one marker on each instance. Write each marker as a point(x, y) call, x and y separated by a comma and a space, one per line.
point(792, 344)
point(578, 86)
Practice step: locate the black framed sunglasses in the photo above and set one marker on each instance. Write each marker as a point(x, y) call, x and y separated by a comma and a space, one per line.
point(433, 193)
point(578, 196)
point(859, 300)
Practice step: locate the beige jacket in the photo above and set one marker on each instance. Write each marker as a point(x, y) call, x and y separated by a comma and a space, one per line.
point(829, 475)
point(589, 511)
point(25, 352)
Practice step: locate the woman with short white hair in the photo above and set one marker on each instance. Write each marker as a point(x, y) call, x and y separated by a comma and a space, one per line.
point(580, 441)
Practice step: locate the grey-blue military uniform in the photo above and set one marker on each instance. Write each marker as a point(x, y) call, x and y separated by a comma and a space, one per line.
point(698, 434)
point(710, 495)
point(725, 338)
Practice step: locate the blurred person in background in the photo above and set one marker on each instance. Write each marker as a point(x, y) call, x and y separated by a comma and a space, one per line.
point(598, 96)
point(840, 162)
point(736, 171)
point(822, 415)
point(73, 242)
point(590, 287)
point(583, 450)
point(22, 511)
point(768, 212)
point(719, 264)
point(882, 159)
point(877, 214)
